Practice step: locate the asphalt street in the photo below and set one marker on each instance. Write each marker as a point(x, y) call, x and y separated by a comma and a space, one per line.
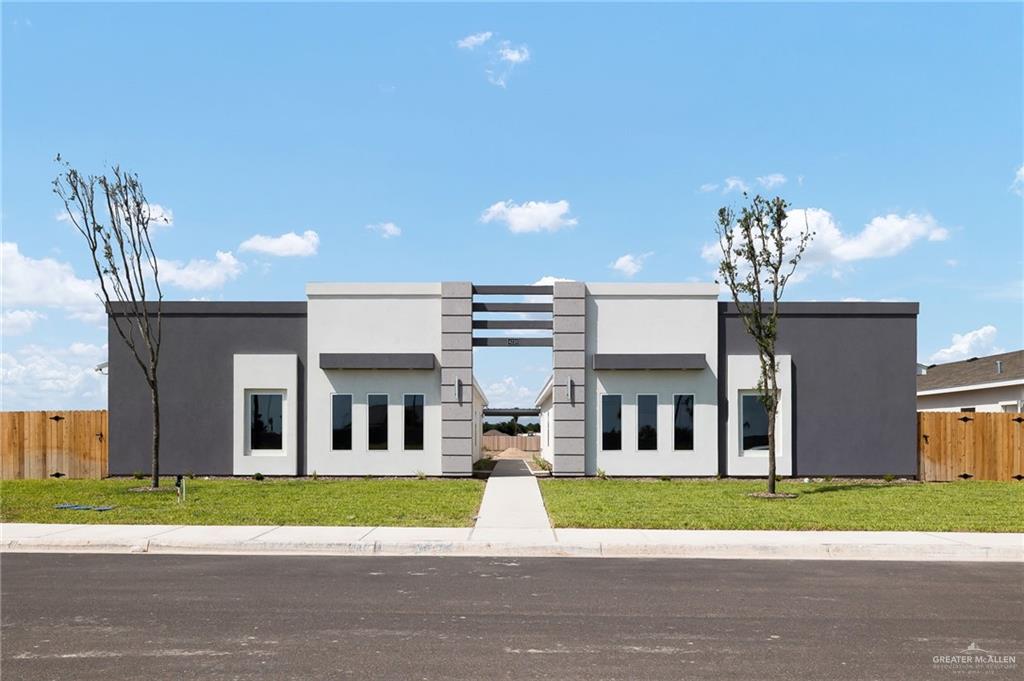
point(117, 617)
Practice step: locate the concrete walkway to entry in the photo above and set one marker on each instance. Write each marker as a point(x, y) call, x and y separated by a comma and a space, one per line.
point(512, 506)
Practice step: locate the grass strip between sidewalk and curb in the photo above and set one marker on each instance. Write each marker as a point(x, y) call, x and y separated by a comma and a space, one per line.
point(971, 506)
point(396, 502)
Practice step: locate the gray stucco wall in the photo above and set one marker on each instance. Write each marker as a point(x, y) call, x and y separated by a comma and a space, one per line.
point(854, 385)
point(196, 365)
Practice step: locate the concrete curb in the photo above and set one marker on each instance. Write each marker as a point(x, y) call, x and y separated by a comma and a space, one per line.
point(369, 541)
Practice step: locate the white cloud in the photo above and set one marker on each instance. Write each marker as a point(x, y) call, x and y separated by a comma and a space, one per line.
point(952, 262)
point(883, 237)
point(471, 42)
point(160, 217)
point(976, 343)
point(773, 180)
point(513, 55)
point(387, 230)
point(708, 187)
point(19, 322)
point(508, 393)
point(532, 216)
point(201, 274)
point(286, 245)
point(630, 264)
point(504, 60)
point(1017, 187)
point(37, 377)
point(549, 280)
point(44, 282)
point(735, 184)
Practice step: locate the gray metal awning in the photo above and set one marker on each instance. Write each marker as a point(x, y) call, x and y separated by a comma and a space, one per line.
point(377, 360)
point(641, 362)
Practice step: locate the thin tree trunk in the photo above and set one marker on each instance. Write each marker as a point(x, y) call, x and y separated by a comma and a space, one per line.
point(771, 450)
point(156, 436)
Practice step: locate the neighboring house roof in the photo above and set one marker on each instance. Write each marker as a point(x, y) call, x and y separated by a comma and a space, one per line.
point(492, 431)
point(545, 391)
point(975, 371)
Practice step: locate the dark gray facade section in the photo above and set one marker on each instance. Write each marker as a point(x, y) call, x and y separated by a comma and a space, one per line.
point(377, 360)
point(647, 362)
point(854, 395)
point(196, 370)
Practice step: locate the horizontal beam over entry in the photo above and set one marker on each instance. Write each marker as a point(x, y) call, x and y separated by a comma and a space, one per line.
point(505, 341)
point(513, 324)
point(649, 362)
point(514, 290)
point(377, 360)
point(512, 412)
point(513, 307)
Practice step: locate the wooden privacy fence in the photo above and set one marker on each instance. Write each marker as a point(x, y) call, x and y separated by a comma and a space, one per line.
point(499, 443)
point(37, 444)
point(982, 445)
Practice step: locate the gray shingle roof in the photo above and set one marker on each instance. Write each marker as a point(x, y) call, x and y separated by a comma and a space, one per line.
point(973, 371)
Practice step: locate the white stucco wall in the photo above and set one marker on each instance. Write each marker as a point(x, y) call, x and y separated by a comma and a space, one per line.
point(653, 319)
point(378, 318)
point(547, 427)
point(744, 372)
point(479, 402)
point(1001, 398)
point(265, 374)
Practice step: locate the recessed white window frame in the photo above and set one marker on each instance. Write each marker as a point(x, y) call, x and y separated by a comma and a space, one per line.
point(423, 435)
point(693, 398)
point(248, 395)
point(600, 421)
point(387, 415)
point(352, 414)
point(657, 423)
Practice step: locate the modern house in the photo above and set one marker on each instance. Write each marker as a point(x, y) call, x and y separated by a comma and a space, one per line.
point(993, 383)
point(648, 379)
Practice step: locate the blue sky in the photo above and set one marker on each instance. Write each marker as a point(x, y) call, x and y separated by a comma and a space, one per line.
point(507, 143)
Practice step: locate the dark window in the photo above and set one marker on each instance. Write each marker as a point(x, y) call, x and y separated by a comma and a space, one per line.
point(611, 422)
point(377, 415)
point(646, 422)
point(683, 407)
point(755, 423)
point(265, 421)
point(967, 409)
point(414, 421)
point(341, 422)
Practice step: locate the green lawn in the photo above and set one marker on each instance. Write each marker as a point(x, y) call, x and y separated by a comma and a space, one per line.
point(388, 501)
point(723, 504)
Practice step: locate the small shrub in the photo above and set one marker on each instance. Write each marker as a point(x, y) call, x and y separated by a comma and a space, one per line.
point(542, 464)
point(190, 475)
point(138, 475)
point(665, 478)
point(888, 477)
point(601, 474)
point(420, 475)
point(828, 478)
point(314, 476)
point(257, 476)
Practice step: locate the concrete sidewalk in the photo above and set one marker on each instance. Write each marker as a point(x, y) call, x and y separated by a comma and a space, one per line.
point(512, 508)
point(467, 541)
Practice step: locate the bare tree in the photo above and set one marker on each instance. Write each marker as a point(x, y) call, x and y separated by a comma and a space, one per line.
point(759, 255)
point(115, 222)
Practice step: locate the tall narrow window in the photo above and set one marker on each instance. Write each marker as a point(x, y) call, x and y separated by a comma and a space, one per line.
point(414, 421)
point(646, 422)
point(266, 421)
point(755, 424)
point(683, 411)
point(611, 422)
point(341, 422)
point(377, 421)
